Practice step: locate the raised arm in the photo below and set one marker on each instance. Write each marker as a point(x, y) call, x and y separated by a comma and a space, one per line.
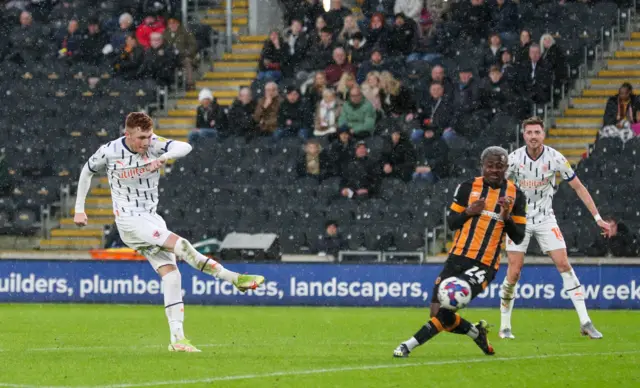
point(166, 149)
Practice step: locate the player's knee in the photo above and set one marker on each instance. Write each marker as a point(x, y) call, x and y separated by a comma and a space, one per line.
point(170, 273)
point(446, 317)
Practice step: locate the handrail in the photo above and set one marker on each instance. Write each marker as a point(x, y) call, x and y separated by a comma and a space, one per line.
point(229, 22)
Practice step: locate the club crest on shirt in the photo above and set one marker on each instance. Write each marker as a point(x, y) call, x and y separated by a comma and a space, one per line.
point(475, 195)
point(545, 168)
point(156, 234)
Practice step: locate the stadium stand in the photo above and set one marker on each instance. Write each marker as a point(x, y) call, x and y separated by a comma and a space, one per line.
point(254, 183)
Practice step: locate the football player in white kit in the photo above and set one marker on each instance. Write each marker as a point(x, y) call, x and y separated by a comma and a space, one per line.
point(533, 169)
point(132, 164)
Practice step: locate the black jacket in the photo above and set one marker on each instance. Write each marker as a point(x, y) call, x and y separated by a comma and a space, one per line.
point(624, 244)
point(276, 56)
point(91, 47)
point(362, 173)
point(611, 109)
point(475, 20)
point(402, 158)
point(379, 38)
point(556, 61)
point(159, 64)
point(340, 155)
point(505, 18)
point(436, 116)
point(320, 56)
point(127, 64)
point(489, 59)
point(433, 153)
point(294, 112)
point(332, 245)
point(399, 105)
point(402, 40)
point(213, 113)
point(369, 7)
point(241, 117)
point(359, 55)
point(535, 84)
point(300, 47)
point(467, 99)
point(498, 97)
point(521, 53)
point(335, 18)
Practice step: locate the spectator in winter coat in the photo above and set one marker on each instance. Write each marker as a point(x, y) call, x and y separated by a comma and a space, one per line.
point(492, 53)
point(241, 113)
point(210, 118)
point(411, 8)
point(92, 43)
point(498, 95)
point(150, 25)
point(184, 45)
point(371, 89)
point(509, 71)
point(505, 20)
point(341, 150)
point(521, 52)
point(321, 53)
point(346, 83)
point(624, 243)
point(118, 38)
point(297, 45)
point(332, 242)
point(399, 157)
point(475, 18)
point(26, 40)
point(434, 115)
point(339, 66)
point(378, 33)
point(314, 162)
point(291, 116)
point(402, 39)
point(129, 60)
point(272, 57)
point(555, 59)
point(395, 98)
point(358, 114)
point(335, 16)
point(313, 93)
point(376, 63)
point(535, 77)
point(348, 30)
point(361, 176)
point(358, 51)
point(432, 159)
point(621, 111)
point(159, 61)
point(327, 114)
point(70, 41)
point(266, 114)
point(439, 75)
point(467, 98)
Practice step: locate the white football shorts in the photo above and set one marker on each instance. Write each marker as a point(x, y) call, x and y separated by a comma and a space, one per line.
point(547, 234)
point(146, 233)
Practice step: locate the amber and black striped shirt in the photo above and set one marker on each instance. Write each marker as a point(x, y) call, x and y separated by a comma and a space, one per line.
point(480, 237)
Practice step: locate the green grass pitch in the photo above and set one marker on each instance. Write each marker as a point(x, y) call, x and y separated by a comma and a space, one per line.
point(126, 346)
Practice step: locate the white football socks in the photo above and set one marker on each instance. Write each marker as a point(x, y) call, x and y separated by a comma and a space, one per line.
point(411, 343)
point(576, 292)
point(174, 307)
point(507, 298)
point(197, 260)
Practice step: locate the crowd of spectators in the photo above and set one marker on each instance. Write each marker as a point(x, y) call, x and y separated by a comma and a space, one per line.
point(132, 40)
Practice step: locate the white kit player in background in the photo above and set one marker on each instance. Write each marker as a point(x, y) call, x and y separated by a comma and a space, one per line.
point(132, 164)
point(533, 169)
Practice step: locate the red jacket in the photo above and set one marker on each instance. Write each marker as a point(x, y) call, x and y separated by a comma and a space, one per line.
point(143, 32)
point(334, 72)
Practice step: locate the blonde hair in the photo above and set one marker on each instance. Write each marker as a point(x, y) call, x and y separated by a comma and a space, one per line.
point(345, 30)
point(328, 92)
point(389, 84)
point(342, 84)
point(542, 38)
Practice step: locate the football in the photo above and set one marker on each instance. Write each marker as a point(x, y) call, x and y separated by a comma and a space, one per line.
point(454, 293)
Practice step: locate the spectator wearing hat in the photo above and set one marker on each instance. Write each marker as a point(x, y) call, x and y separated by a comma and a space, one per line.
point(149, 25)
point(358, 50)
point(314, 162)
point(327, 114)
point(361, 176)
point(339, 66)
point(341, 150)
point(375, 63)
point(399, 156)
point(434, 115)
point(241, 113)
point(184, 45)
point(291, 116)
point(210, 118)
point(358, 114)
point(331, 242)
point(267, 109)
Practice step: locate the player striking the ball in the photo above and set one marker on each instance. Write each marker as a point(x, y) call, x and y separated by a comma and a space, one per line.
point(132, 164)
point(533, 168)
point(483, 210)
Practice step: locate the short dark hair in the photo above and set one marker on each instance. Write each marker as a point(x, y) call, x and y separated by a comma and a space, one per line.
point(494, 68)
point(627, 86)
point(535, 120)
point(139, 120)
point(326, 30)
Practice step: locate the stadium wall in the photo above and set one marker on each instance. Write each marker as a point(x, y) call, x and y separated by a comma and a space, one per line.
point(135, 282)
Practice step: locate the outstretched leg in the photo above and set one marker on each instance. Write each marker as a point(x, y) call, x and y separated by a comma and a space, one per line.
point(183, 249)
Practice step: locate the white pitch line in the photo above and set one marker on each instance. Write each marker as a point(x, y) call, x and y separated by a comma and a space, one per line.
point(332, 370)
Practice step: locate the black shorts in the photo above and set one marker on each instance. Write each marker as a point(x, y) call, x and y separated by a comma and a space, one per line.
point(475, 273)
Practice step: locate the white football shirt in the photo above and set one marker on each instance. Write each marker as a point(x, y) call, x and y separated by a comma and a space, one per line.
point(134, 188)
point(537, 179)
